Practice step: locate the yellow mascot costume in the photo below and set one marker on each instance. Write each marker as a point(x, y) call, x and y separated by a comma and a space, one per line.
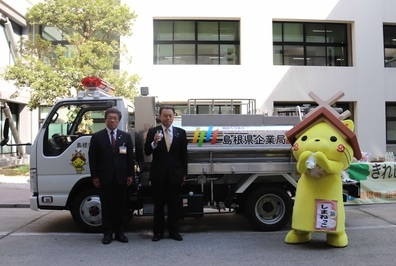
point(323, 146)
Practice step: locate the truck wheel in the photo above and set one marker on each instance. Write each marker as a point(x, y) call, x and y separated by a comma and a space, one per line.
point(86, 210)
point(269, 209)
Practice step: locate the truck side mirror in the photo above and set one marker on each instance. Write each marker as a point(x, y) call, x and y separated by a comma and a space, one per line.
point(6, 129)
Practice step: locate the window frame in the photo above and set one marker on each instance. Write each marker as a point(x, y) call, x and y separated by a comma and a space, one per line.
point(285, 108)
point(389, 46)
point(63, 42)
point(303, 43)
point(14, 109)
point(196, 44)
point(388, 119)
point(62, 124)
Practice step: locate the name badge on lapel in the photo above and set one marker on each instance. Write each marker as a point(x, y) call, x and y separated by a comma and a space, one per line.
point(123, 149)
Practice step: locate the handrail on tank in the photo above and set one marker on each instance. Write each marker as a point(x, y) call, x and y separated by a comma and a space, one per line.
point(248, 104)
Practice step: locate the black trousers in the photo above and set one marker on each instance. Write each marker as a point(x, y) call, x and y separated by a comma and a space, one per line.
point(113, 199)
point(166, 195)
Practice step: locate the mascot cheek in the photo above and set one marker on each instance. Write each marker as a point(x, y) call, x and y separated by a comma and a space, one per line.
point(341, 148)
point(295, 147)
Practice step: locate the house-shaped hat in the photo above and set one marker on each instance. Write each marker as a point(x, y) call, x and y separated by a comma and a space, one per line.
point(323, 113)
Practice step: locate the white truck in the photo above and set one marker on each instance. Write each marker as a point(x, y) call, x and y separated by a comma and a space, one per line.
point(237, 162)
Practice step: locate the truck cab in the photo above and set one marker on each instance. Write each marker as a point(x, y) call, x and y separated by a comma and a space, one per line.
point(59, 169)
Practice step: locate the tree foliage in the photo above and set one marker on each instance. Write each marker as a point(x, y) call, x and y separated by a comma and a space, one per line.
point(89, 32)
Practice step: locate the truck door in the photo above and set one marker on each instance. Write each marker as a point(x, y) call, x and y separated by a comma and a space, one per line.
point(62, 149)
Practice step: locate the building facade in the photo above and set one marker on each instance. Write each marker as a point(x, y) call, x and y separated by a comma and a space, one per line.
point(275, 52)
point(285, 49)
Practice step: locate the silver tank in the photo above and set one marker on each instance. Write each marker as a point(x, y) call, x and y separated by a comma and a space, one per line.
point(235, 137)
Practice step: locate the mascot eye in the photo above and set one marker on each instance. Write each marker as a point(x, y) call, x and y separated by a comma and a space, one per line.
point(333, 139)
point(304, 138)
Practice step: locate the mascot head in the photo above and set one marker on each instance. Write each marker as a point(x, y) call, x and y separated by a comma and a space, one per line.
point(324, 132)
point(327, 139)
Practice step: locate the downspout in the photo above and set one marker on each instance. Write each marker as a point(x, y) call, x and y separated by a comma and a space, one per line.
point(10, 36)
point(15, 55)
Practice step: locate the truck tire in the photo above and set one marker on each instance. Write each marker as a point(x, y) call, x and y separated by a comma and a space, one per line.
point(269, 208)
point(86, 210)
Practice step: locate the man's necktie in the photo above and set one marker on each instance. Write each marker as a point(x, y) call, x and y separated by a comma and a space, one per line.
point(167, 139)
point(113, 140)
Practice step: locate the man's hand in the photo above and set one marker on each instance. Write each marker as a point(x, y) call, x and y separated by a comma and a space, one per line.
point(96, 182)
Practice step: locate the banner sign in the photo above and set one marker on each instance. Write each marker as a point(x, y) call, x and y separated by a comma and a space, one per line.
point(238, 136)
point(377, 182)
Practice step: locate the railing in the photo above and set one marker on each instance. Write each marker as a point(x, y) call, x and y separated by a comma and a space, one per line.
point(222, 106)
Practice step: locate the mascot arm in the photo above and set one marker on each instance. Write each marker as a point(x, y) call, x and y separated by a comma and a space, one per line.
point(301, 168)
point(331, 167)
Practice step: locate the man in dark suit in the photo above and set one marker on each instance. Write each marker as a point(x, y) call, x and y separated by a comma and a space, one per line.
point(168, 145)
point(111, 162)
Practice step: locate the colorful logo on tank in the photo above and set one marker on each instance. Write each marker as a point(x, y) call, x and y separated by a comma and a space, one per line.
point(201, 136)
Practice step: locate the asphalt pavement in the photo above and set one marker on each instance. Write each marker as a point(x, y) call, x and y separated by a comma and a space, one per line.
point(51, 238)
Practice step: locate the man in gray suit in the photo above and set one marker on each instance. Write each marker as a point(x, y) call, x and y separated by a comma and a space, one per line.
point(111, 162)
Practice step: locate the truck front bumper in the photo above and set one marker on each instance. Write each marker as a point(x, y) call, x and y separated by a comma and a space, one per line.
point(33, 203)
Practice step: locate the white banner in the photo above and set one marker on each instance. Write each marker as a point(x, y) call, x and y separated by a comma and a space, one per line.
point(377, 182)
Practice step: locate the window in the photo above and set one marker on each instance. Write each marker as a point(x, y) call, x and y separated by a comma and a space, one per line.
point(14, 112)
point(6, 48)
point(310, 44)
point(208, 108)
point(303, 108)
point(68, 123)
point(52, 34)
point(178, 42)
point(390, 45)
point(391, 123)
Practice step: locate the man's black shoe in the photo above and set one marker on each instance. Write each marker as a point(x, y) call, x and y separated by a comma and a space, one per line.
point(107, 239)
point(157, 237)
point(121, 237)
point(176, 236)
